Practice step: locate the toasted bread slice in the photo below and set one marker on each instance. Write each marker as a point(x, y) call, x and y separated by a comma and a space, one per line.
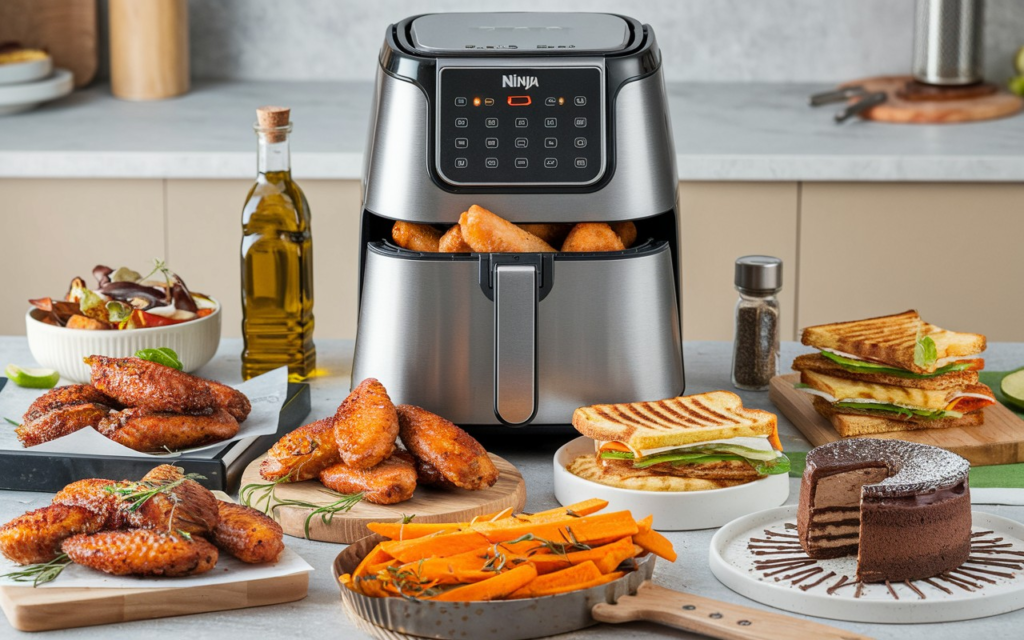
point(849, 424)
point(892, 339)
point(820, 364)
point(675, 421)
point(587, 467)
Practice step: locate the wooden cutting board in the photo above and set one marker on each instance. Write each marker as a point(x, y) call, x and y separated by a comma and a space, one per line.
point(896, 109)
point(1000, 440)
point(65, 28)
point(427, 504)
point(29, 609)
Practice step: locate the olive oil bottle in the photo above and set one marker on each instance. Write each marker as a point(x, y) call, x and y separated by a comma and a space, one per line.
point(277, 260)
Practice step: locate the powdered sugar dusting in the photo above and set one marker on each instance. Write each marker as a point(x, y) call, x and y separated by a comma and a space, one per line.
point(913, 468)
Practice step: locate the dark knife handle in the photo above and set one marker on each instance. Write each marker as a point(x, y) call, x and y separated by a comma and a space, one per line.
point(865, 103)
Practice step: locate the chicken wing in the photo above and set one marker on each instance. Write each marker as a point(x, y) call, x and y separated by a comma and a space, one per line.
point(592, 236)
point(67, 396)
point(139, 383)
point(416, 237)
point(96, 495)
point(489, 233)
point(181, 505)
point(146, 430)
point(142, 552)
point(428, 475)
point(248, 534)
point(453, 242)
point(303, 453)
point(366, 425)
point(230, 399)
point(553, 234)
point(37, 535)
point(391, 481)
point(456, 455)
point(60, 422)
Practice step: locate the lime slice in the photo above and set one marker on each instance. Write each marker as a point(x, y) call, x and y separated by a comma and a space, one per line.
point(1018, 61)
point(1013, 388)
point(32, 378)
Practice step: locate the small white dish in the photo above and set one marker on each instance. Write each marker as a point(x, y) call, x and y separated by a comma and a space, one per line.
point(63, 349)
point(672, 510)
point(15, 98)
point(28, 71)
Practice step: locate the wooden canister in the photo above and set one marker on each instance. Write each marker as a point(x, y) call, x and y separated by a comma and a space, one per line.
point(148, 48)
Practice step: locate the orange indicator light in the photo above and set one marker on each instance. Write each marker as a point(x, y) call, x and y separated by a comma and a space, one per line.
point(561, 101)
point(476, 102)
point(519, 101)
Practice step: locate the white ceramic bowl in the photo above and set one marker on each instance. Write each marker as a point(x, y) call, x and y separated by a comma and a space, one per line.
point(672, 510)
point(15, 98)
point(63, 349)
point(28, 71)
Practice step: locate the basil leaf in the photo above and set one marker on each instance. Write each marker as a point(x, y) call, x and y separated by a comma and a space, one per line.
point(925, 352)
point(870, 407)
point(161, 355)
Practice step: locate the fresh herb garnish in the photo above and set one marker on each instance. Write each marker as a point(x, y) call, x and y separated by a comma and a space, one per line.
point(263, 497)
point(138, 493)
point(40, 573)
point(161, 355)
point(925, 351)
point(9, 421)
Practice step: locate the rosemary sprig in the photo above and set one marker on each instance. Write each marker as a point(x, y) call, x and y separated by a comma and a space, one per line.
point(409, 584)
point(256, 494)
point(9, 421)
point(263, 497)
point(40, 573)
point(139, 493)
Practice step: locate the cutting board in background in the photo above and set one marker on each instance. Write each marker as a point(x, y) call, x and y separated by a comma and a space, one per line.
point(65, 28)
point(1000, 440)
point(898, 110)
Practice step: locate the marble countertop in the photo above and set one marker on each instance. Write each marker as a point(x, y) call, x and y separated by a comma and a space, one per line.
point(320, 614)
point(723, 131)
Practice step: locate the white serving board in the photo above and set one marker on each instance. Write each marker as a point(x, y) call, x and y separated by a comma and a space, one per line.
point(734, 566)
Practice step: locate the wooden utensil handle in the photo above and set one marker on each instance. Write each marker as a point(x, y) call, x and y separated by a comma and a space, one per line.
point(712, 617)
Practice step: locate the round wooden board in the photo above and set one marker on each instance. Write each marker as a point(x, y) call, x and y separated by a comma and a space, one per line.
point(427, 504)
point(896, 109)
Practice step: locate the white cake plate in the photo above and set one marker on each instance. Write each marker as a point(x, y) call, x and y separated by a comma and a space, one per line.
point(984, 590)
point(672, 510)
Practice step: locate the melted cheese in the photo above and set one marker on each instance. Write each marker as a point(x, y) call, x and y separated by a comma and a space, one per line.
point(840, 390)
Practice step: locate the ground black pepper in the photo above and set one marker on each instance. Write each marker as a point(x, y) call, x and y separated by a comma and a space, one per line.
point(756, 359)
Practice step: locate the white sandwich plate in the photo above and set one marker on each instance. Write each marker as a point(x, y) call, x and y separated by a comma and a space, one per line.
point(15, 98)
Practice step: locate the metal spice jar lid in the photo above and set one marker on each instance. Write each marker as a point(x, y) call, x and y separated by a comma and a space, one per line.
point(758, 274)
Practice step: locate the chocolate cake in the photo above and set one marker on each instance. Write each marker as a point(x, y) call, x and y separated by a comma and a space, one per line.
point(904, 508)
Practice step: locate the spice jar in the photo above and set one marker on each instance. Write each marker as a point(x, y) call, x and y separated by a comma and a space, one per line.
point(755, 356)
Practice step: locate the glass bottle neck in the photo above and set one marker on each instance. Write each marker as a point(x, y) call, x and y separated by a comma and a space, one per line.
point(272, 153)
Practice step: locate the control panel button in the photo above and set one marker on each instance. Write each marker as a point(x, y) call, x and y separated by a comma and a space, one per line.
point(461, 163)
point(491, 123)
point(522, 163)
point(461, 143)
point(580, 143)
point(461, 123)
point(550, 163)
point(580, 163)
point(551, 102)
point(550, 143)
point(491, 163)
point(550, 123)
point(491, 143)
point(522, 123)
point(580, 101)
point(580, 122)
point(488, 102)
point(522, 143)
point(461, 102)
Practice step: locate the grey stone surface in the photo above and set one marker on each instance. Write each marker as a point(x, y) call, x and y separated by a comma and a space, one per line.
point(320, 614)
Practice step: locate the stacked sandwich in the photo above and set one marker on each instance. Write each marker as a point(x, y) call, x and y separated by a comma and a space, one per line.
point(894, 373)
point(691, 443)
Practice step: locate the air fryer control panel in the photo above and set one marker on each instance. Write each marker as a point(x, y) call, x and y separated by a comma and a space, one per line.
point(520, 126)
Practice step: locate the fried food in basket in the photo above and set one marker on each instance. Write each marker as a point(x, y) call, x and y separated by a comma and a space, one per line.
point(626, 232)
point(366, 425)
point(506, 557)
point(416, 237)
point(247, 534)
point(489, 233)
point(553, 234)
point(453, 242)
point(592, 236)
point(457, 456)
point(142, 552)
point(390, 482)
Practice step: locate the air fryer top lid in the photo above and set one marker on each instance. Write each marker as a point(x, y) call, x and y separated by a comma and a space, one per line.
point(501, 33)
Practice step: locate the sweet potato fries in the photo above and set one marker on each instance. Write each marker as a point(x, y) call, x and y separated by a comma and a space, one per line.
point(506, 556)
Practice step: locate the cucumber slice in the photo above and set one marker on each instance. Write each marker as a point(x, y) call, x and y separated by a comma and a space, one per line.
point(1012, 385)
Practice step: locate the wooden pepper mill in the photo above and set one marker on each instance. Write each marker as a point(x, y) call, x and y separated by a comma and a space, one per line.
point(149, 49)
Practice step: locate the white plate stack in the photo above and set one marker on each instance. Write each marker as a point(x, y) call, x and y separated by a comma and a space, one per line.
point(26, 85)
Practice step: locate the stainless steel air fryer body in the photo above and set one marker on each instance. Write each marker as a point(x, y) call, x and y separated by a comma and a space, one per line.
point(539, 117)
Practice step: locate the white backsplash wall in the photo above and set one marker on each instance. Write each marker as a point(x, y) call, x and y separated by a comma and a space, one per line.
point(702, 40)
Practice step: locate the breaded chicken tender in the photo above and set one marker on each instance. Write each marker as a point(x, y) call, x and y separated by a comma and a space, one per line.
point(187, 506)
point(142, 552)
point(390, 482)
point(143, 429)
point(303, 453)
point(247, 534)
point(489, 233)
point(453, 242)
point(592, 236)
point(366, 425)
point(60, 422)
point(456, 455)
point(416, 237)
point(96, 495)
point(37, 535)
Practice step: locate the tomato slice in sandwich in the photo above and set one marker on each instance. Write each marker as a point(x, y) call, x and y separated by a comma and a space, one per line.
point(967, 404)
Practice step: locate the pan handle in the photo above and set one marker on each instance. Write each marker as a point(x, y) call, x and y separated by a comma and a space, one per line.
point(713, 618)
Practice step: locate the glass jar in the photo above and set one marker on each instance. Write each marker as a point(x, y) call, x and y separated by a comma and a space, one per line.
point(755, 355)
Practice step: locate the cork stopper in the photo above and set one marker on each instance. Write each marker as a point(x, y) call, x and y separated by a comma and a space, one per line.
point(274, 121)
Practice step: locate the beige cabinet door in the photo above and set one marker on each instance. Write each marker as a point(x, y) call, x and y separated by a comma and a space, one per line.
point(951, 251)
point(719, 222)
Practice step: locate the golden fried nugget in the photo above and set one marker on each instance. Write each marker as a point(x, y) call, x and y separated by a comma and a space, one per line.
point(145, 430)
point(553, 234)
point(303, 453)
point(366, 425)
point(60, 422)
point(187, 506)
point(455, 454)
point(247, 534)
point(139, 383)
point(67, 396)
point(453, 242)
point(96, 495)
point(37, 535)
point(390, 482)
point(626, 232)
point(489, 233)
point(592, 236)
point(416, 237)
point(142, 552)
